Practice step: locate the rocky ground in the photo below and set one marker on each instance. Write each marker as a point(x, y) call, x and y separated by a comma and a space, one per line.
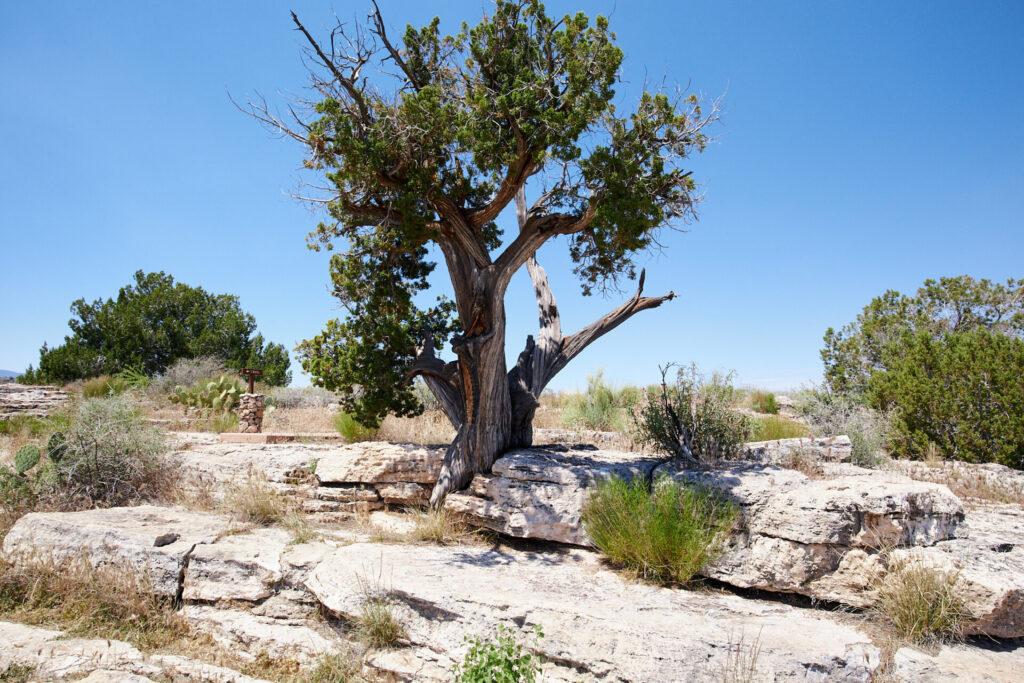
point(34, 401)
point(784, 600)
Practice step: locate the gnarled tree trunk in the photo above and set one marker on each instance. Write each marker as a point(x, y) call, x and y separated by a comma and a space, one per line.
point(490, 409)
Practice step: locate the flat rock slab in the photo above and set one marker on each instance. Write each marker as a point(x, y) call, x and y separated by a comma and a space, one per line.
point(145, 537)
point(375, 462)
point(57, 657)
point(245, 566)
point(781, 451)
point(535, 493)
point(597, 625)
point(248, 634)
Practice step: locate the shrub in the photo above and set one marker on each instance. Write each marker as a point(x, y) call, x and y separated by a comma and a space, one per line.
point(693, 418)
point(601, 407)
point(351, 429)
point(922, 603)
point(764, 402)
point(186, 372)
point(498, 660)
point(962, 392)
point(110, 454)
point(301, 397)
point(830, 414)
point(667, 533)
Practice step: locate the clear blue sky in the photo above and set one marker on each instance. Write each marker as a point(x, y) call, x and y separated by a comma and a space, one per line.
point(864, 146)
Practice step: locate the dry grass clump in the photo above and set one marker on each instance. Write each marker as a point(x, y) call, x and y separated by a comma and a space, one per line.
point(969, 481)
point(379, 626)
point(921, 603)
point(432, 427)
point(253, 501)
point(740, 665)
point(437, 526)
point(113, 601)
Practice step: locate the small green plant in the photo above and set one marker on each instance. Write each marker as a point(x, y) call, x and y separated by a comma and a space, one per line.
point(693, 418)
point(764, 402)
point(922, 603)
point(500, 659)
point(667, 533)
point(56, 446)
point(351, 430)
point(134, 378)
point(227, 422)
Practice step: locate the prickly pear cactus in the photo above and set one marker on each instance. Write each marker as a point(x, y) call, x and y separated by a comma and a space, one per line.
point(57, 446)
point(25, 459)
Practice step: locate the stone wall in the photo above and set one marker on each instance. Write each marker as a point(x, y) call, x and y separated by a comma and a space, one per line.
point(250, 413)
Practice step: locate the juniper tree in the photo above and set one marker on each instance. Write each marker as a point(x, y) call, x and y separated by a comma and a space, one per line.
point(424, 140)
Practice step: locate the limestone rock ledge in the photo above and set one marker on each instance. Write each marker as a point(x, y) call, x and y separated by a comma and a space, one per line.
point(597, 625)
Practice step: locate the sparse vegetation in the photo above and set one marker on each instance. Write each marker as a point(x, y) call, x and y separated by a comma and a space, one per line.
point(186, 372)
point(437, 526)
point(602, 407)
point(693, 417)
point(104, 385)
point(763, 402)
point(112, 601)
point(830, 414)
point(667, 533)
point(352, 430)
point(500, 659)
point(219, 394)
point(740, 665)
point(379, 626)
point(253, 501)
point(773, 427)
point(921, 603)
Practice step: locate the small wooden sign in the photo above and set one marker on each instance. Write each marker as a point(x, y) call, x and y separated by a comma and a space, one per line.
point(252, 374)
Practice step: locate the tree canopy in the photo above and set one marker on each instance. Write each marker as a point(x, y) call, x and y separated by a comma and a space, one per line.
point(947, 364)
point(153, 323)
point(423, 141)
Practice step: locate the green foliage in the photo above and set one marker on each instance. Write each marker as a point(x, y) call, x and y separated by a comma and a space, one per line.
point(352, 430)
point(498, 660)
point(963, 392)
point(150, 325)
point(950, 306)
point(774, 427)
point(764, 402)
point(219, 394)
point(134, 378)
point(436, 154)
point(601, 407)
point(667, 533)
point(25, 459)
point(693, 416)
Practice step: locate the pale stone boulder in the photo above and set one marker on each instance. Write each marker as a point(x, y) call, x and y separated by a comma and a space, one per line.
point(244, 566)
point(58, 657)
point(376, 462)
point(782, 451)
point(147, 538)
point(247, 634)
point(534, 493)
point(597, 625)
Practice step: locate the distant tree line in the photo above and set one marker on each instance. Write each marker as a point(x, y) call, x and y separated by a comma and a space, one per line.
point(150, 325)
point(947, 363)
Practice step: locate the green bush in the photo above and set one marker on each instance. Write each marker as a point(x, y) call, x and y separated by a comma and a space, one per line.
point(667, 533)
point(764, 402)
point(693, 417)
point(602, 407)
point(351, 430)
point(962, 392)
point(499, 660)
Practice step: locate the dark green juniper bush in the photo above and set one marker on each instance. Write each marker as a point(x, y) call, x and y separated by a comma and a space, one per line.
point(424, 140)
